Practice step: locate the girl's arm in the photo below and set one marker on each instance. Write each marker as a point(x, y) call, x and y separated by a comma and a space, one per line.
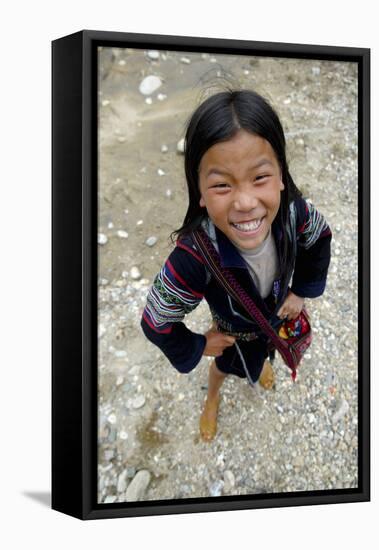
point(313, 251)
point(177, 289)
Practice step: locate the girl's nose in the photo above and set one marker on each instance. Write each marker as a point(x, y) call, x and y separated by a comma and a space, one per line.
point(245, 200)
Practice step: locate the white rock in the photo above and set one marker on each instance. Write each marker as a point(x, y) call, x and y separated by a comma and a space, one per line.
point(121, 139)
point(149, 101)
point(120, 353)
point(316, 71)
point(125, 274)
point(122, 234)
point(121, 482)
point(119, 380)
point(161, 97)
point(215, 489)
point(138, 402)
point(102, 239)
point(161, 172)
point(151, 241)
point(109, 499)
point(123, 435)
point(112, 419)
point(180, 146)
point(341, 411)
point(185, 60)
point(140, 222)
point(150, 84)
point(164, 148)
point(138, 486)
point(153, 54)
point(110, 225)
point(102, 331)
point(168, 193)
point(229, 481)
point(105, 102)
point(135, 273)
point(298, 461)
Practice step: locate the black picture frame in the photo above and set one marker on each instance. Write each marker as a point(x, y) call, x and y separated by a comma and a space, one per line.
point(74, 273)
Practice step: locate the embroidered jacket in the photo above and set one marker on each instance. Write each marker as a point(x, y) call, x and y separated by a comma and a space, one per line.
point(184, 281)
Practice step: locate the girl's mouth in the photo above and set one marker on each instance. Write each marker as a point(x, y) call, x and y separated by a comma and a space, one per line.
point(250, 228)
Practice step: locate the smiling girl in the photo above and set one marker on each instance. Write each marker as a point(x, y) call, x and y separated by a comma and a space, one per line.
point(276, 244)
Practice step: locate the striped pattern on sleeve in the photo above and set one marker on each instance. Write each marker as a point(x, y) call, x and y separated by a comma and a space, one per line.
point(169, 300)
point(314, 226)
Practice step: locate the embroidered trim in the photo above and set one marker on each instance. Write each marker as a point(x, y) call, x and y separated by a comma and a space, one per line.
point(227, 328)
point(168, 301)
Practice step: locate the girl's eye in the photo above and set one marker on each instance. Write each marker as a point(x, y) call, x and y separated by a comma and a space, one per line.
point(263, 176)
point(220, 186)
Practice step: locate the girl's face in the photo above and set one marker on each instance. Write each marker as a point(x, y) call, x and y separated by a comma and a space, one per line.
point(240, 183)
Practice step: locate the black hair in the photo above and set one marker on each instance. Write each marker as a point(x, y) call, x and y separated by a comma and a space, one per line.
point(218, 119)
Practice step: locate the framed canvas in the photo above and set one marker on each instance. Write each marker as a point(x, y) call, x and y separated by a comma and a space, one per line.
point(126, 429)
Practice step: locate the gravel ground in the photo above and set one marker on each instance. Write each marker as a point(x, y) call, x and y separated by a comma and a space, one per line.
point(298, 437)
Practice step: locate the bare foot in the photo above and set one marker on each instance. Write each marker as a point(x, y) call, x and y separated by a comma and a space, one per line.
point(267, 378)
point(208, 419)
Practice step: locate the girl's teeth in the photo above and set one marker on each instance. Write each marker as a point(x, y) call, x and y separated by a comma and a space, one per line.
point(250, 226)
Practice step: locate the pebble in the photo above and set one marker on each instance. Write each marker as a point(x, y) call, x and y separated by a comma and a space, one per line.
point(164, 148)
point(341, 411)
point(122, 234)
point(110, 499)
point(102, 331)
point(161, 172)
point(168, 193)
point(138, 486)
point(180, 146)
point(112, 419)
point(151, 241)
point(185, 60)
point(153, 54)
point(123, 435)
point(216, 487)
point(161, 97)
point(139, 222)
point(150, 84)
point(121, 139)
point(102, 239)
point(298, 461)
point(229, 481)
point(121, 482)
point(130, 472)
point(108, 455)
point(138, 402)
point(135, 273)
point(105, 102)
point(149, 101)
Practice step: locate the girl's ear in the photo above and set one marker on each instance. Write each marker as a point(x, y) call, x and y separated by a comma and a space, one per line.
point(201, 202)
point(281, 186)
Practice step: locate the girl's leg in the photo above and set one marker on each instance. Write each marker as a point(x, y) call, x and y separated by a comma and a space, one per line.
point(208, 418)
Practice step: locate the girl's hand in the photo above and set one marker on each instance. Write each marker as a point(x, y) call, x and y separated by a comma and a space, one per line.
point(291, 307)
point(216, 343)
